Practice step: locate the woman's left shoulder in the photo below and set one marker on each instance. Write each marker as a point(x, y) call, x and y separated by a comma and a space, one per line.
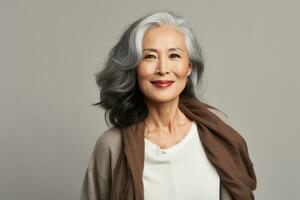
point(221, 115)
point(226, 119)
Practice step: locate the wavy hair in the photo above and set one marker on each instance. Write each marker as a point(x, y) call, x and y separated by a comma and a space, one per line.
point(120, 95)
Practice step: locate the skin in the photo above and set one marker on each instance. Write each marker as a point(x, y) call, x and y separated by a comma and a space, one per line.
point(167, 124)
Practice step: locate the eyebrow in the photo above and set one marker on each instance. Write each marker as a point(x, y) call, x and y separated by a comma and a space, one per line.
point(170, 49)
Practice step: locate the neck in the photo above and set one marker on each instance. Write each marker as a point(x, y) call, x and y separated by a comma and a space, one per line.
point(164, 117)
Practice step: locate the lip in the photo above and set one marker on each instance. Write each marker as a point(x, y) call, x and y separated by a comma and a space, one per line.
point(162, 83)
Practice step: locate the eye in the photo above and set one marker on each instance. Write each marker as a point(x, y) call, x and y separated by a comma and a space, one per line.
point(176, 55)
point(149, 56)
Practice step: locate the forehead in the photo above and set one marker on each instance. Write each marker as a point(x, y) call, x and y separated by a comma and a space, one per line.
point(164, 36)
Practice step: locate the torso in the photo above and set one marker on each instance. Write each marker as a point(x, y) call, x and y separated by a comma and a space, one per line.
point(180, 172)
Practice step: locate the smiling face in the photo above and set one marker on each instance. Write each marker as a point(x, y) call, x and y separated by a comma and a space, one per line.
point(165, 57)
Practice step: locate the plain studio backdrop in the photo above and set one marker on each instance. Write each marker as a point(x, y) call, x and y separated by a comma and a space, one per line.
point(51, 49)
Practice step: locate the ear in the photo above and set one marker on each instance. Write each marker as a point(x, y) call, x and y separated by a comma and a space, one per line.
point(190, 69)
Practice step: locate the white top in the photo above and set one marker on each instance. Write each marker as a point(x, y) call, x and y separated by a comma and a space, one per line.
point(181, 171)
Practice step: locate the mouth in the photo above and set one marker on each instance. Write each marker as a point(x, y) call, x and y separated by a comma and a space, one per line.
point(162, 83)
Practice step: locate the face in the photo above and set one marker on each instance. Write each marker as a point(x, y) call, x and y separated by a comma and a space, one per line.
point(165, 57)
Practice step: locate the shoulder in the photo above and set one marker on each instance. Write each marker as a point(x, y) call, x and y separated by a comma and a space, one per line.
point(109, 137)
point(109, 140)
point(99, 173)
point(221, 115)
point(240, 139)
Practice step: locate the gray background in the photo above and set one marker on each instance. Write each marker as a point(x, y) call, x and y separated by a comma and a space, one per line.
point(51, 49)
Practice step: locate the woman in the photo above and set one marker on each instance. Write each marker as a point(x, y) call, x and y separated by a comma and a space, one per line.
point(165, 143)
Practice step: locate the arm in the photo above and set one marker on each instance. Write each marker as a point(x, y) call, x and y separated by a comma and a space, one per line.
point(98, 175)
point(224, 194)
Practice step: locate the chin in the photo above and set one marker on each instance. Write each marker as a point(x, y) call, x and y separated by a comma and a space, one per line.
point(163, 98)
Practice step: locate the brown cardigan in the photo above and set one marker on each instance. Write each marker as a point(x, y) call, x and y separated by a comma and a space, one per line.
point(97, 181)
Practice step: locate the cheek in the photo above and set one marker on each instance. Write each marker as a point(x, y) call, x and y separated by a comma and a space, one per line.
point(145, 70)
point(182, 70)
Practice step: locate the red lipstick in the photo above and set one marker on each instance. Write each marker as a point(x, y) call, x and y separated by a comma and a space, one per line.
point(162, 83)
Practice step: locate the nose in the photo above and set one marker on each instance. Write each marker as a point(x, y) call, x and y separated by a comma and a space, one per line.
point(162, 66)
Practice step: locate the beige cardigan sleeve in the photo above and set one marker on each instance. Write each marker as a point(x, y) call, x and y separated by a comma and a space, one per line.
point(98, 175)
point(99, 172)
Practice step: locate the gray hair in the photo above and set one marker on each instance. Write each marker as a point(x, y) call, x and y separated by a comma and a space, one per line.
point(119, 93)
